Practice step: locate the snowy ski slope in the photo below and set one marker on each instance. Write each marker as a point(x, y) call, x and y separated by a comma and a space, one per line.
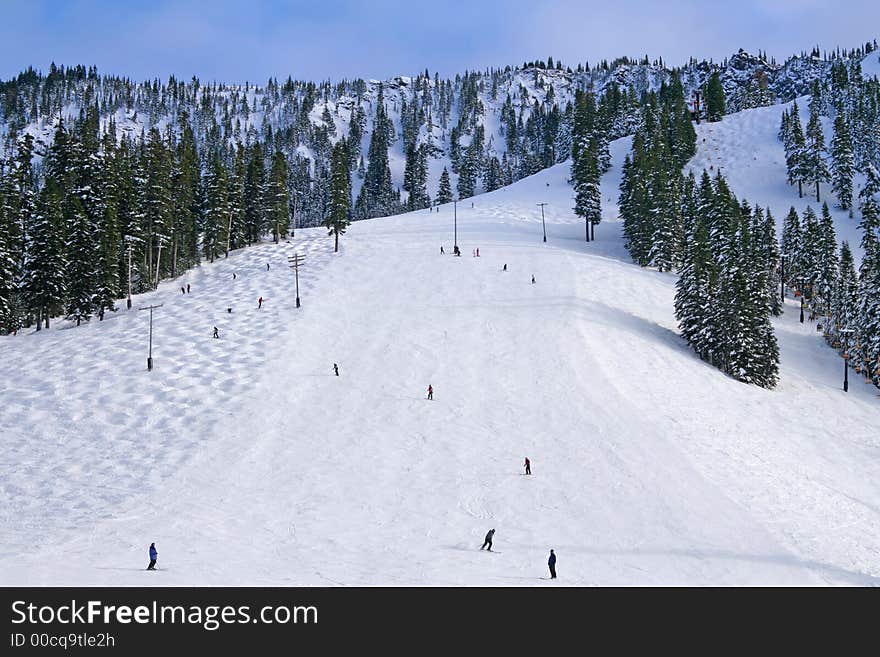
point(248, 462)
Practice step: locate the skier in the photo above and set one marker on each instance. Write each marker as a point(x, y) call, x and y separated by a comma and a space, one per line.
point(488, 540)
point(259, 303)
point(216, 332)
point(233, 275)
point(551, 563)
point(528, 465)
point(478, 252)
point(455, 250)
point(336, 369)
point(533, 279)
point(473, 253)
point(187, 288)
point(430, 392)
point(267, 266)
point(504, 268)
point(182, 291)
point(153, 556)
point(441, 250)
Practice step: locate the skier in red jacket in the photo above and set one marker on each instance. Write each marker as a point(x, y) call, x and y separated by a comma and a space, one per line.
point(430, 392)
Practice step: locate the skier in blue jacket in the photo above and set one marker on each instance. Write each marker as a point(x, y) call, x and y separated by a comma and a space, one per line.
point(551, 562)
point(153, 556)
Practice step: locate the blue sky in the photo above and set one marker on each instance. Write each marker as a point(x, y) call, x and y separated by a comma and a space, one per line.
point(236, 41)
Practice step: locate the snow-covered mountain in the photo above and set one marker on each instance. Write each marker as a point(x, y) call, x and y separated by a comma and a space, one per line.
point(248, 462)
point(524, 112)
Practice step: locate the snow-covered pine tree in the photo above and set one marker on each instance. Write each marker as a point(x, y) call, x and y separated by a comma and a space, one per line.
point(792, 244)
point(816, 168)
point(826, 271)
point(45, 264)
point(842, 161)
point(444, 192)
point(216, 208)
point(869, 206)
point(277, 196)
point(795, 152)
point(715, 100)
point(587, 196)
point(81, 248)
point(845, 307)
point(339, 215)
point(255, 194)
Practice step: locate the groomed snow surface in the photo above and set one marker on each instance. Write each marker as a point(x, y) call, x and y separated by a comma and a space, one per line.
point(248, 462)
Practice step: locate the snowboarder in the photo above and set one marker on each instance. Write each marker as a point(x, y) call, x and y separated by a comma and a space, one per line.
point(488, 540)
point(259, 303)
point(533, 279)
point(216, 332)
point(336, 369)
point(153, 556)
point(187, 288)
point(528, 465)
point(504, 268)
point(441, 250)
point(551, 563)
point(430, 392)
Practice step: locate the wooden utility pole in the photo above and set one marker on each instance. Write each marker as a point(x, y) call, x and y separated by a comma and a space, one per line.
point(543, 225)
point(295, 261)
point(150, 353)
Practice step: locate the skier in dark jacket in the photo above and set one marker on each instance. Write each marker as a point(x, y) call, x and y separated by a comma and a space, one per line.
point(259, 303)
point(442, 251)
point(504, 268)
point(528, 465)
point(488, 540)
point(533, 279)
point(336, 369)
point(153, 556)
point(216, 332)
point(187, 288)
point(430, 392)
point(551, 562)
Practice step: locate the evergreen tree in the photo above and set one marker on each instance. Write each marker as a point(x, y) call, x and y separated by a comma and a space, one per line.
point(816, 168)
point(444, 193)
point(80, 283)
point(587, 195)
point(255, 193)
point(216, 208)
point(44, 269)
point(869, 205)
point(377, 197)
point(843, 162)
point(715, 101)
point(795, 151)
point(339, 216)
point(792, 240)
point(277, 196)
point(846, 301)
